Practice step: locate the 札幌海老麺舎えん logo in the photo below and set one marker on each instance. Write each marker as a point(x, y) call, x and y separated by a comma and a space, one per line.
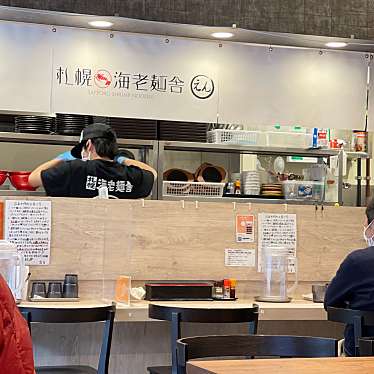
point(202, 86)
point(103, 78)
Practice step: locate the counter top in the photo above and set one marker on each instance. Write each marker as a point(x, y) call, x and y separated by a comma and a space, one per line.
point(296, 310)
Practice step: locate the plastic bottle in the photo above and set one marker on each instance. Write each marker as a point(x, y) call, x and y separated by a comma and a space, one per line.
point(232, 288)
point(226, 288)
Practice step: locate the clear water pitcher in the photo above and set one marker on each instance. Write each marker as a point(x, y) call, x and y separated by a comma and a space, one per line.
point(275, 265)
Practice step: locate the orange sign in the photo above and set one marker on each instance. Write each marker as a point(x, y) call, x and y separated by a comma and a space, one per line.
point(245, 228)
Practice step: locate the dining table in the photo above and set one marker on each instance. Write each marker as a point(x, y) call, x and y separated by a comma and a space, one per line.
point(330, 365)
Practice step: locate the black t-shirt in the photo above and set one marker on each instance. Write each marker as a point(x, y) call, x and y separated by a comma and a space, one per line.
point(83, 178)
point(353, 286)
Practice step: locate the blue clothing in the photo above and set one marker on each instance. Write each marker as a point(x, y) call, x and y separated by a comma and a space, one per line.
point(353, 287)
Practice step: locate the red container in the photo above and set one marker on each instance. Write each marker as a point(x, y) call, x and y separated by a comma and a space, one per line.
point(20, 180)
point(3, 176)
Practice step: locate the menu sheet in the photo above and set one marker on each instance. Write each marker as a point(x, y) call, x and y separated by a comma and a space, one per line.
point(28, 225)
point(278, 232)
point(240, 257)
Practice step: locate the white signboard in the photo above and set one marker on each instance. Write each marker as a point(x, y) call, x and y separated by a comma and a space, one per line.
point(25, 67)
point(240, 257)
point(132, 75)
point(278, 232)
point(129, 75)
point(291, 86)
point(28, 225)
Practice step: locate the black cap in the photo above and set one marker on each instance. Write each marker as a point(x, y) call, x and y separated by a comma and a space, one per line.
point(94, 131)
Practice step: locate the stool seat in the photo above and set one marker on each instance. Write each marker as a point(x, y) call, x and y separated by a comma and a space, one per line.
point(159, 369)
point(65, 370)
point(177, 314)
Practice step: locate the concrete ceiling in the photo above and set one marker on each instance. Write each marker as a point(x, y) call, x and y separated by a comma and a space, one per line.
point(179, 30)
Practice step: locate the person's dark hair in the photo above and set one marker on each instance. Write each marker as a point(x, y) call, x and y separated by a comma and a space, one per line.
point(370, 210)
point(105, 147)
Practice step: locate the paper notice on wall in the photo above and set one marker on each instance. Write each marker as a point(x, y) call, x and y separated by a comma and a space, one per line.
point(277, 232)
point(245, 230)
point(240, 257)
point(28, 225)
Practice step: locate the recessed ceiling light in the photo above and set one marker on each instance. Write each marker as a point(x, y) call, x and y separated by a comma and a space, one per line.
point(101, 24)
point(222, 35)
point(336, 44)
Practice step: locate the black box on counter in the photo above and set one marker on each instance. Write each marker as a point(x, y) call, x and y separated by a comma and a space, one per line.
point(178, 291)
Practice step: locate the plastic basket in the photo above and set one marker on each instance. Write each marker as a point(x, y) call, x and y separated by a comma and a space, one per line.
point(239, 137)
point(198, 189)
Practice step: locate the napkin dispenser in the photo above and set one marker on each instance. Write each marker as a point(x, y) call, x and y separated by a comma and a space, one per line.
point(180, 291)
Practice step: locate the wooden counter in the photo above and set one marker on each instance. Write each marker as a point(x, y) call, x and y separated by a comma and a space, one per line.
point(336, 365)
point(297, 310)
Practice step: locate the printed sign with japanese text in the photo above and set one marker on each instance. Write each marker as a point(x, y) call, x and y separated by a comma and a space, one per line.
point(245, 228)
point(28, 226)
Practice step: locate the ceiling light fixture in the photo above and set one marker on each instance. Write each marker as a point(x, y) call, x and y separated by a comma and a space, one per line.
point(222, 35)
point(100, 24)
point(336, 44)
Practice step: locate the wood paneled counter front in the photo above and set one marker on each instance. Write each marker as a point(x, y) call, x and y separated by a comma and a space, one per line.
point(297, 310)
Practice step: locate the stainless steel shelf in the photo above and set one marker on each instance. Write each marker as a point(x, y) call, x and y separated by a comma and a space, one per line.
point(255, 200)
point(229, 148)
point(356, 155)
point(12, 137)
point(21, 193)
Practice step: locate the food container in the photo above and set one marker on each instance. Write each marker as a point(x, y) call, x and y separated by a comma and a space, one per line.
point(20, 180)
point(303, 190)
point(3, 176)
point(289, 139)
point(359, 141)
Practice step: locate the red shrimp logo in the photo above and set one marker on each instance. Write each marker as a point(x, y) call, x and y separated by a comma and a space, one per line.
point(103, 78)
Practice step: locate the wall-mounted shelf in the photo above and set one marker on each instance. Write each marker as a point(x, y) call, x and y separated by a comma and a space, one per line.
point(21, 193)
point(12, 137)
point(230, 148)
point(242, 200)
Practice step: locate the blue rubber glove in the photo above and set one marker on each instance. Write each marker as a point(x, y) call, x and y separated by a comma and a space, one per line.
point(120, 159)
point(66, 156)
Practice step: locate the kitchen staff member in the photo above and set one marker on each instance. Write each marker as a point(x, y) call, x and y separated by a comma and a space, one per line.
point(92, 163)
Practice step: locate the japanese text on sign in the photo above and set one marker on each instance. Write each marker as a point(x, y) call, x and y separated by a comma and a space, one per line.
point(28, 226)
point(240, 257)
point(278, 232)
point(120, 80)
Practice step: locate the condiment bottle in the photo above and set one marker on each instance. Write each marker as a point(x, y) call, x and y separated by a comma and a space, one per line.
point(226, 288)
point(218, 291)
point(232, 288)
point(237, 187)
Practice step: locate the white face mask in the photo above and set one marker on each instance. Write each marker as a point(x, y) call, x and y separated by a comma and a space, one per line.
point(369, 234)
point(83, 154)
point(86, 158)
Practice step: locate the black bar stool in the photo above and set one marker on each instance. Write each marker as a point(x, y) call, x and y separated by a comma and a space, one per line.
point(253, 345)
point(176, 315)
point(76, 315)
point(358, 318)
point(366, 345)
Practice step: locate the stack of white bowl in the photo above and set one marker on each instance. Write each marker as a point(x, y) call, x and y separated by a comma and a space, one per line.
point(250, 183)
